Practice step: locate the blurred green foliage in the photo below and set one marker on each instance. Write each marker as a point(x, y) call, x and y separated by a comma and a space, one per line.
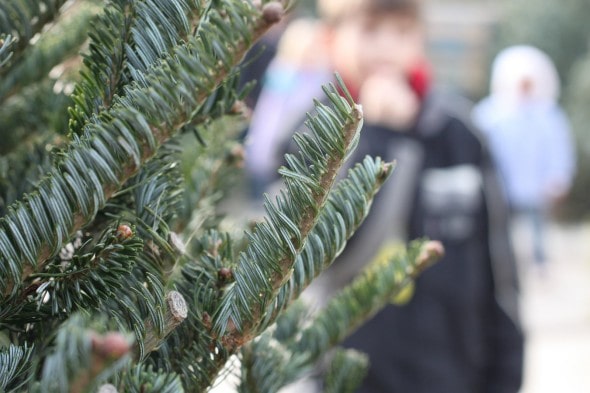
point(561, 29)
point(577, 102)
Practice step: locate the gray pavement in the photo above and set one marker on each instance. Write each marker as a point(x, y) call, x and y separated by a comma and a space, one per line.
point(556, 313)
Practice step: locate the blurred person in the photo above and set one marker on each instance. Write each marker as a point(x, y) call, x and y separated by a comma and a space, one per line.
point(256, 63)
point(294, 77)
point(258, 58)
point(530, 138)
point(459, 331)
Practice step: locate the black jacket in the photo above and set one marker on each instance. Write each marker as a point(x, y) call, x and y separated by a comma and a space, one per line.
point(459, 333)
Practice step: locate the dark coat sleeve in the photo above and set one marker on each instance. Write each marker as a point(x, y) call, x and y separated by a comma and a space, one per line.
point(505, 338)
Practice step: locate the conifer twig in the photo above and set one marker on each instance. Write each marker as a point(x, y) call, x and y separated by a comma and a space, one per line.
point(107, 388)
point(310, 266)
point(176, 312)
point(105, 349)
point(297, 343)
point(368, 294)
point(132, 111)
point(236, 336)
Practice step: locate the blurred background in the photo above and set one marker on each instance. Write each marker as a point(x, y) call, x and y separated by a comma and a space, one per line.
point(464, 36)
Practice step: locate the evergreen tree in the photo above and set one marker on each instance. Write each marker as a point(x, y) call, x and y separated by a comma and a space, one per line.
point(115, 272)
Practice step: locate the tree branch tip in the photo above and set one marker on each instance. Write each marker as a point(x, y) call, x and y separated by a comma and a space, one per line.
point(107, 388)
point(225, 275)
point(112, 345)
point(357, 110)
point(387, 168)
point(273, 12)
point(124, 232)
point(431, 252)
point(240, 108)
point(177, 305)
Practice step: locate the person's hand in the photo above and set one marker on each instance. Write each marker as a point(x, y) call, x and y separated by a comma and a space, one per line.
point(388, 100)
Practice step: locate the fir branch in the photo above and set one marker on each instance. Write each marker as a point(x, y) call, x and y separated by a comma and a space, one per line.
point(289, 324)
point(62, 40)
point(367, 295)
point(144, 379)
point(105, 74)
point(209, 172)
point(267, 365)
point(82, 277)
point(22, 20)
point(300, 342)
point(151, 201)
point(140, 307)
point(320, 150)
point(268, 261)
point(157, 192)
point(158, 26)
point(226, 100)
point(191, 350)
point(95, 165)
point(22, 168)
point(346, 209)
point(81, 358)
point(176, 312)
point(347, 370)
point(129, 38)
point(272, 349)
point(91, 277)
point(6, 46)
point(15, 367)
